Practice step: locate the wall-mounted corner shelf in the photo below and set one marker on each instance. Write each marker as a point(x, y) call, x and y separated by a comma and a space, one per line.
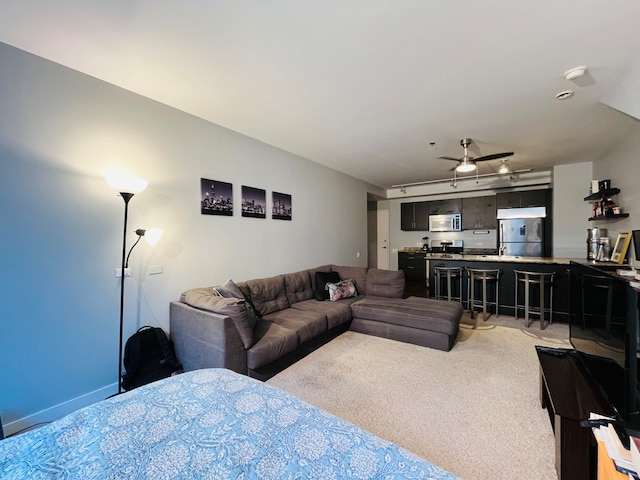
point(609, 217)
point(602, 194)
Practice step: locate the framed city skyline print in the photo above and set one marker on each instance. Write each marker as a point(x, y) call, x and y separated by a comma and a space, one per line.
point(281, 206)
point(254, 202)
point(216, 197)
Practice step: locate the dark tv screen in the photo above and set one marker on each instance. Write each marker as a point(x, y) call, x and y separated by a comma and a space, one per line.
point(606, 341)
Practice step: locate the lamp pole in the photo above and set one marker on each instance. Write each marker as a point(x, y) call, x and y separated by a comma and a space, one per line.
point(126, 197)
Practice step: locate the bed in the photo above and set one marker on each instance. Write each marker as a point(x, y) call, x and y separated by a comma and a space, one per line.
point(209, 424)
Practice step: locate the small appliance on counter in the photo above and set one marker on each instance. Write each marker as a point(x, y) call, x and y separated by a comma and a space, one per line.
point(594, 235)
point(425, 244)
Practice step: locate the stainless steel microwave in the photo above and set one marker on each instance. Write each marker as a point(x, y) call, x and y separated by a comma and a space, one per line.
point(451, 222)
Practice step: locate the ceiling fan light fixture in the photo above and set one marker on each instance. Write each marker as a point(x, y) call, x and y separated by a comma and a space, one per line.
point(468, 166)
point(504, 168)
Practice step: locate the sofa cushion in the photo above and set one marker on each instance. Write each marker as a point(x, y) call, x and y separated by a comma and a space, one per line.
point(306, 324)
point(416, 312)
point(234, 308)
point(273, 341)
point(230, 290)
point(298, 286)
point(268, 294)
point(385, 283)
point(341, 290)
point(337, 313)
point(358, 274)
point(321, 292)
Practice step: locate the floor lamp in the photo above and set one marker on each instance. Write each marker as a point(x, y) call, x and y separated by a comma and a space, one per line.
point(127, 186)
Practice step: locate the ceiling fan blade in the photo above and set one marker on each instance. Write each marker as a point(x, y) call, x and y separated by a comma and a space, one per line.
point(450, 158)
point(493, 156)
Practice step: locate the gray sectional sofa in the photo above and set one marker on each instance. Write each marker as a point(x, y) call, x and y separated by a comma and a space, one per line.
point(209, 330)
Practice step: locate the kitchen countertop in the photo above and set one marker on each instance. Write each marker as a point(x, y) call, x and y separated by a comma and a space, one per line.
point(509, 259)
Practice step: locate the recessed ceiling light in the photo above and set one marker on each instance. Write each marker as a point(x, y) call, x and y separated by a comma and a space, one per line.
point(564, 95)
point(574, 73)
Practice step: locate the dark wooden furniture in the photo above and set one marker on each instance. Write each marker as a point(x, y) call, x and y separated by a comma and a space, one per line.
point(414, 216)
point(414, 266)
point(479, 213)
point(442, 207)
point(522, 199)
point(569, 395)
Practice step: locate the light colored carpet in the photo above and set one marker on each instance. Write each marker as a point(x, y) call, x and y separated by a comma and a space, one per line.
point(474, 411)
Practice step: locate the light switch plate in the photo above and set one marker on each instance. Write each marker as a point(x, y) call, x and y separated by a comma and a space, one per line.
point(154, 270)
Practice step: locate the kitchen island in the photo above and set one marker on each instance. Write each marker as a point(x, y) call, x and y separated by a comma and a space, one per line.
point(507, 265)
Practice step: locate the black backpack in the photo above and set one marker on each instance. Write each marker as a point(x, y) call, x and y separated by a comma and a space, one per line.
point(148, 356)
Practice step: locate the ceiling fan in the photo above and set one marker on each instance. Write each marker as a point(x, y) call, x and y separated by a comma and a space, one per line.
point(467, 163)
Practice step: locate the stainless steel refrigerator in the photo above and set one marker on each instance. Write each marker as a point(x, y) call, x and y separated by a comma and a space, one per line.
point(521, 237)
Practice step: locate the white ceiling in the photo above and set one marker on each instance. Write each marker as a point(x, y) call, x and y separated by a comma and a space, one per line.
point(362, 86)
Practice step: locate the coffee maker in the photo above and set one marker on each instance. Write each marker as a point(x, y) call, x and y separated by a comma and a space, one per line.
point(594, 236)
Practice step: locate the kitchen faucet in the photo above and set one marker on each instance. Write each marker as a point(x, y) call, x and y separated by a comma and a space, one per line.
point(502, 247)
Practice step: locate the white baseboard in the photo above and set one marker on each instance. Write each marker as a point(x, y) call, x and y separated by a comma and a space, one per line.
point(59, 411)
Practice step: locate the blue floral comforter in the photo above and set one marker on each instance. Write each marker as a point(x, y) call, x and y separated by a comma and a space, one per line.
point(209, 424)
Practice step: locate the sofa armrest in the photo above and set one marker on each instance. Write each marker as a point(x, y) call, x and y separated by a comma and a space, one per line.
point(205, 339)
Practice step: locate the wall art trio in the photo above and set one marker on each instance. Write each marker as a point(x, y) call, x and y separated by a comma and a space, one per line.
point(216, 198)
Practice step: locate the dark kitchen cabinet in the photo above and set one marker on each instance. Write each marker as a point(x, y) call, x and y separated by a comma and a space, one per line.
point(414, 216)
point(441, 207)
point(479, 213)
point(526, 198)
point(414, 266)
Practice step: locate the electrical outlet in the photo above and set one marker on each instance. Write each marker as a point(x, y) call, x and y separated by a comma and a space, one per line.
point(127, 272)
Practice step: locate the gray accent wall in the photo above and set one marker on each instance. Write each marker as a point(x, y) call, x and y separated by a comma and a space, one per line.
point(61, 231)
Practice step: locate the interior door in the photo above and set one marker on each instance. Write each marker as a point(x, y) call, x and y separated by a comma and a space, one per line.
point(383, 239)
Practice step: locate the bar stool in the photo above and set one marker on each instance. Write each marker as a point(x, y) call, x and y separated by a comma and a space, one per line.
point(595, 287)
point(542, 280)
point(450, 275)
point(491, 276)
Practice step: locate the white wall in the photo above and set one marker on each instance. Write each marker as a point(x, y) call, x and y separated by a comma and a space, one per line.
point(61, 228)
point(622, 167)
point(570, 211)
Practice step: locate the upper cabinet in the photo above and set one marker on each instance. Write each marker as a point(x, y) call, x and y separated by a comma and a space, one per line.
point(604, 207)
point(414, 216)
point(441, 207)
point(527, 198)
point(479, 213)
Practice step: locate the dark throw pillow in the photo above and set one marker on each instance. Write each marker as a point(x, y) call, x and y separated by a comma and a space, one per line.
point(321, 292)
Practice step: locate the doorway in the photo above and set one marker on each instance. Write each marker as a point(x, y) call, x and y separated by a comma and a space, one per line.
point(382, 238)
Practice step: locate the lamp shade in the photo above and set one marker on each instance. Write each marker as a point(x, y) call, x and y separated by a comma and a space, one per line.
point(153, 236)
point(124, 183)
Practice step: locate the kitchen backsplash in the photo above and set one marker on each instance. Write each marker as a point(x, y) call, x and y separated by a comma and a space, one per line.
point(471, 238)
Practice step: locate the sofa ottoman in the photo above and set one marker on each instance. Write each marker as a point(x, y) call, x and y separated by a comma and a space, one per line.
point(418, 320)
